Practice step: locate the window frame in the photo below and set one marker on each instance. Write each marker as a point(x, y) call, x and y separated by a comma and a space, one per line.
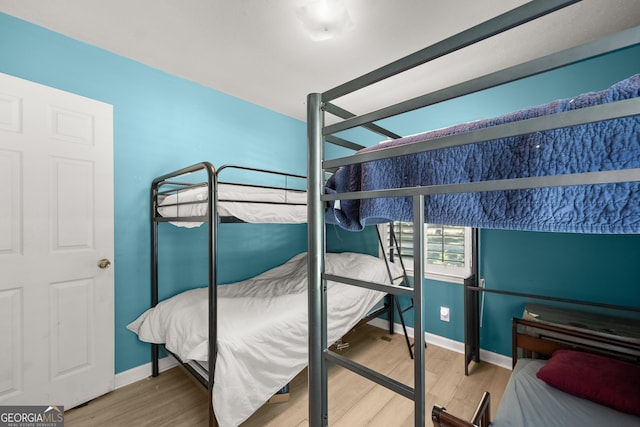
point(432, 271)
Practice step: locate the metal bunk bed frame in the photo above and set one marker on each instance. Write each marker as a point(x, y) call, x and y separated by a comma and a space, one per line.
point(209, 218)
point(158, 188)
point(320, 103)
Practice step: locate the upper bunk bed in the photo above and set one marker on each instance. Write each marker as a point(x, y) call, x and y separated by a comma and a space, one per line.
point(254, 329)
point(572, 165)
point(589, 151)
point(192, 197)
point(187, 203)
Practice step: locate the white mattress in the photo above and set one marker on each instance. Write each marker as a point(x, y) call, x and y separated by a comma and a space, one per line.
point(250, 204)
point(262, 327)
point(529, 401)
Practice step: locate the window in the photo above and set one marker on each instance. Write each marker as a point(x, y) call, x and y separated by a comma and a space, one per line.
point(447, 250)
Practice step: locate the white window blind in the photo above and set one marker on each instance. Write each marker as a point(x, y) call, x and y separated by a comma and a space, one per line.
point(447, 249)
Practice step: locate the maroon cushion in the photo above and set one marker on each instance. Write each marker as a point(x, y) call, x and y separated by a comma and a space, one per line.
point(604, 380)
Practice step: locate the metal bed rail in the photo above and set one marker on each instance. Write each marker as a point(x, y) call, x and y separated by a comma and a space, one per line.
point(530, 68)
point(265, 172)
point(580, 116)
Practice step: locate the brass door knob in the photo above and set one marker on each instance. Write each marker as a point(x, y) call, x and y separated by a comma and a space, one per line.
point(104, 263)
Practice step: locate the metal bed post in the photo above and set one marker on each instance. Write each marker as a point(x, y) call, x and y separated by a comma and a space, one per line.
point(317, 308)
point(471, 323)
point(419, 387)
point(155, 368)
point(212, 212)
point(472, 307)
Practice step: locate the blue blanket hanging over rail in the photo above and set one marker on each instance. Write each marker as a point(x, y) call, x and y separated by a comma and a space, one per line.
point(600, 146)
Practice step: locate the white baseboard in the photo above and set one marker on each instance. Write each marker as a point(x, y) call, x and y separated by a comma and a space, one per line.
point(496, 359)
point(449, 344)
point(143, 371)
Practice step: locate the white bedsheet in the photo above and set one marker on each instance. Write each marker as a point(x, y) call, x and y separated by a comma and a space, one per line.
point(250, 204)
point(529, 401)
point(262, 327)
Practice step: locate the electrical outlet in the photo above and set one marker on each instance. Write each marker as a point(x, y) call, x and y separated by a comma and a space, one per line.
point(444, 314)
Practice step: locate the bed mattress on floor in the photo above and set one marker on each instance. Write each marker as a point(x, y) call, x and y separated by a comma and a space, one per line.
point(529, 401)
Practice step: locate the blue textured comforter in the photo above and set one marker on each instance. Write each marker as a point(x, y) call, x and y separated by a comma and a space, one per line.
point(601, 146)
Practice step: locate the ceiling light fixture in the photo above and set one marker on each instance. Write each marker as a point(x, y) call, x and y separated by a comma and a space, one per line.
point(324, 19)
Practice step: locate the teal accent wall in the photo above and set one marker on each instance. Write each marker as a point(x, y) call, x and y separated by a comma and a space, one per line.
point(163, 123)
point(592, 268)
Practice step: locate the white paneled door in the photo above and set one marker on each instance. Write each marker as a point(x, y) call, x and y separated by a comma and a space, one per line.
point(56, 246)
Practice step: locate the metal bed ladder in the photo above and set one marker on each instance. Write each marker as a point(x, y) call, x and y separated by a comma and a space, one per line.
point(394, 247)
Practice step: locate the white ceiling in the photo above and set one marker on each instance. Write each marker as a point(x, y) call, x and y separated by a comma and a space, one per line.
point(256, 50)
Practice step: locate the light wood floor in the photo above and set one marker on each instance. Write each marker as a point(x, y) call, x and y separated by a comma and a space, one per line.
point(174, 399)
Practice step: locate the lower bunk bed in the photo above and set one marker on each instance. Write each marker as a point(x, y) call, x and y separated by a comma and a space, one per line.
point(262, 326)
point(562, 377)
